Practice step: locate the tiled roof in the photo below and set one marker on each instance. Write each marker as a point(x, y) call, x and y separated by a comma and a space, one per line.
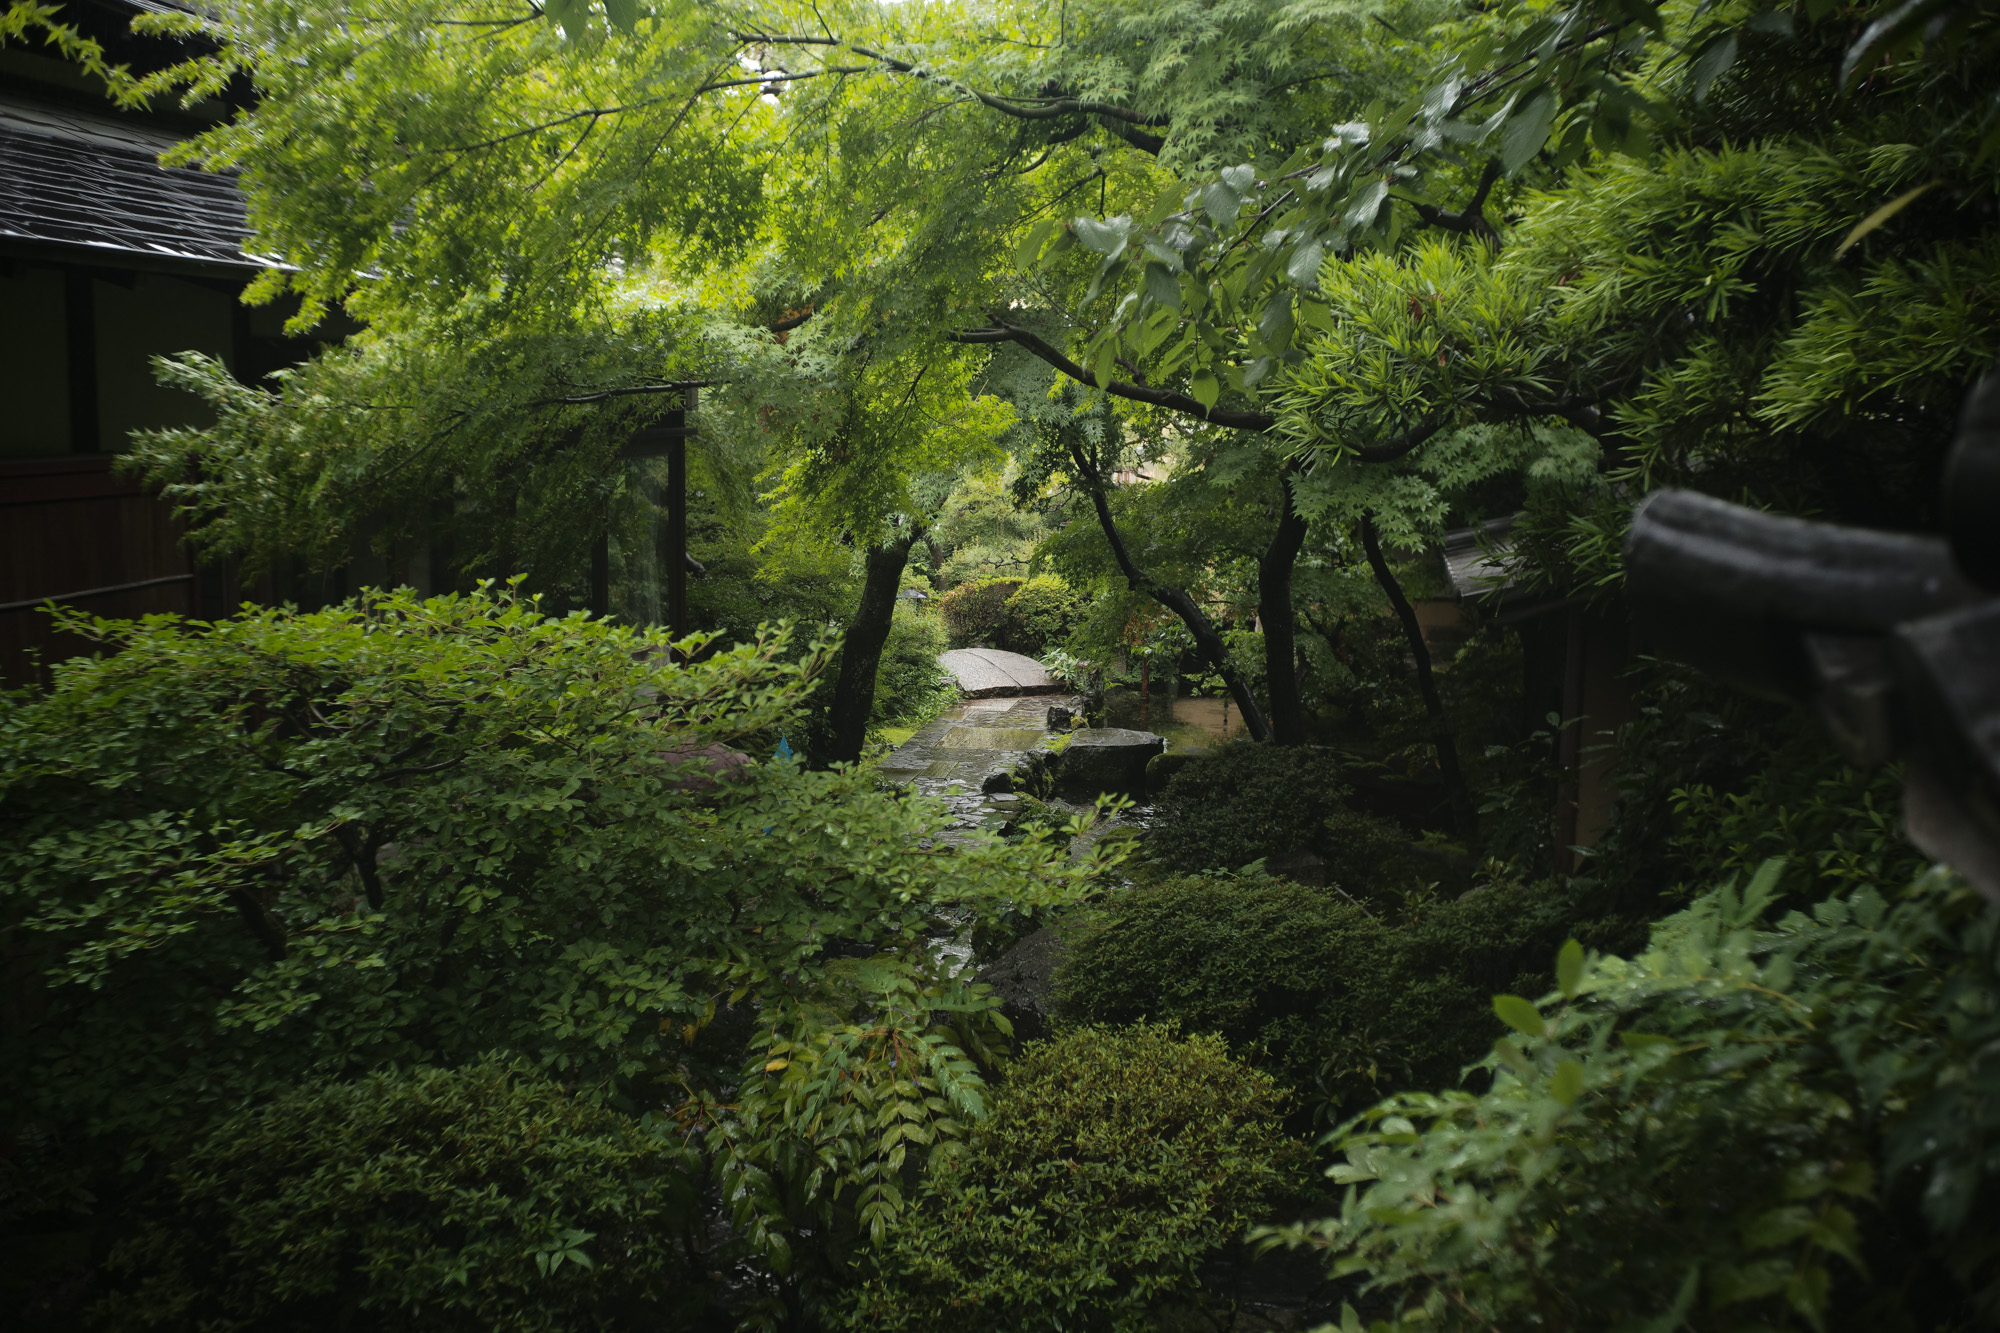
point(77, 180)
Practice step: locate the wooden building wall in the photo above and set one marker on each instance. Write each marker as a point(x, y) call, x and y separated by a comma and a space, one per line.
point(71, 528)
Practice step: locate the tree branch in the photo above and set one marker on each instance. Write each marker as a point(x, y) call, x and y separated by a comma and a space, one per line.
point(1386, 452)
point(630, 391)
point(1470, 220)
point(1138, 393)
point(1207, 640)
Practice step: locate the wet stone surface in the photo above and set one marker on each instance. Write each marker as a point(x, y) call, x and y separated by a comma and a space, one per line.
point(953, 757)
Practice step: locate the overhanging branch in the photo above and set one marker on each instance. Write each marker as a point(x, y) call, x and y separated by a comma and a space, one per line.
point(1388, 451)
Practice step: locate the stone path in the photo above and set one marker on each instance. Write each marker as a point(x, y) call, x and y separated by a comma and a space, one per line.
point(985, 673)
point(954, 755)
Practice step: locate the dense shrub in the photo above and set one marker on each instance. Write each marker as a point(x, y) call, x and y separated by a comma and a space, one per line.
point(1041, 614)
point(1370, 857)
point(1749, 1125)
point(284, 848)
point(1243, 803)
point(909, 684)
point(1115, 1160)
point(1306, 982)
point(478, 1199)
point(975, 612)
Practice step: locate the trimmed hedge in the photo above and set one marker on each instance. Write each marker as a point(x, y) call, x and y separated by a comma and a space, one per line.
point(1243, 803)
point(1310, 985)
point(1114, 1162)
point(973, 613)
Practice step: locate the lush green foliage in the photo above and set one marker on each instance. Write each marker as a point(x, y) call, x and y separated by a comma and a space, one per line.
point(975, 613)
point(1040, 615)
point(1244, 803)
point(910, 684)
point(1307, 982)
point(294, 847)
point(480, 1198)
point(1115, 1160)
point(1742, 1120)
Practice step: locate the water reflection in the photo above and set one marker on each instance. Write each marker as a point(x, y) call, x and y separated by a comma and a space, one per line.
point(1188, 724)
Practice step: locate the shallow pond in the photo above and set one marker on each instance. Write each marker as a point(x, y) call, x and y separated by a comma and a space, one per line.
point(1188, 724)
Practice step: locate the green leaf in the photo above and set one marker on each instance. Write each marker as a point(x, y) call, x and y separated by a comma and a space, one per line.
point(1303, 267)
point(1106, 238)
point(568, 15)
point(1567, 1085)
point(1205, 389)
point(1899, 28)
point(1714, 59)
point(1366, 203)
point(1220, 203)
point(1520, 1015)
point(1527, 129)
point(1569, 968)
point(1883, 214)
point(1030, 248)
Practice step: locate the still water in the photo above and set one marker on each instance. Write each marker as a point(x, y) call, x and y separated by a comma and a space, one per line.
point(1188, 724)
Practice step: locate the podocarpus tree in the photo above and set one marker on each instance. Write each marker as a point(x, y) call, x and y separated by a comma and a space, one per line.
point(296, 847)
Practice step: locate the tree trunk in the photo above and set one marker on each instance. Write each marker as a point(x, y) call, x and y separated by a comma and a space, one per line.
point(861, 650)
point(1274, 609)
point(1463, 815)
point(1207, 639)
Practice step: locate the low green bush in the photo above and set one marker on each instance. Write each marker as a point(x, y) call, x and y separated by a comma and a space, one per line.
point(1752, 1124)
point(1370, 857)
point(1326, 995)
point(1041, 614)
point(974, 613)
point(1244, 803)
point(1113, 1163)
point(479, 1198)
point(910, 685)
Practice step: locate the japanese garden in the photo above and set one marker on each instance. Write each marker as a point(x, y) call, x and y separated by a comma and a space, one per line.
point(1226, 666)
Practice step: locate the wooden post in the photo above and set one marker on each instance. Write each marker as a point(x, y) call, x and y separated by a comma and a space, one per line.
point(1569, 748)
point(600, 575)
point(670, 438)
point(80, 341)
point(677, 524)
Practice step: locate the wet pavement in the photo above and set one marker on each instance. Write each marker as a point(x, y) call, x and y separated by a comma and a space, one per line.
point(952, 756)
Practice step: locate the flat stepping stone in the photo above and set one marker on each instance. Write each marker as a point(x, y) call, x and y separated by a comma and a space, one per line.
point(1112, 757)
point(988, 673)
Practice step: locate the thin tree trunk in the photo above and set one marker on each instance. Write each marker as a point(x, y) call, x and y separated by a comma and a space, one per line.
point(1463, 814)
point(1274, 609)
point(1207, 639)
point(861, 650)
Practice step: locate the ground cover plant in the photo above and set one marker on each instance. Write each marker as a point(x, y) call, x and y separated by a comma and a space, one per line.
point(1245, 803)
point(482, 1197)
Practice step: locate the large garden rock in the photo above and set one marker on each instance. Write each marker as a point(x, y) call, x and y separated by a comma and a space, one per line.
point(1023, 979)
point(1110, 758)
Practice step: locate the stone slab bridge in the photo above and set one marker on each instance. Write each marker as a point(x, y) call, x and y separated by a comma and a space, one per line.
point(988, 673)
